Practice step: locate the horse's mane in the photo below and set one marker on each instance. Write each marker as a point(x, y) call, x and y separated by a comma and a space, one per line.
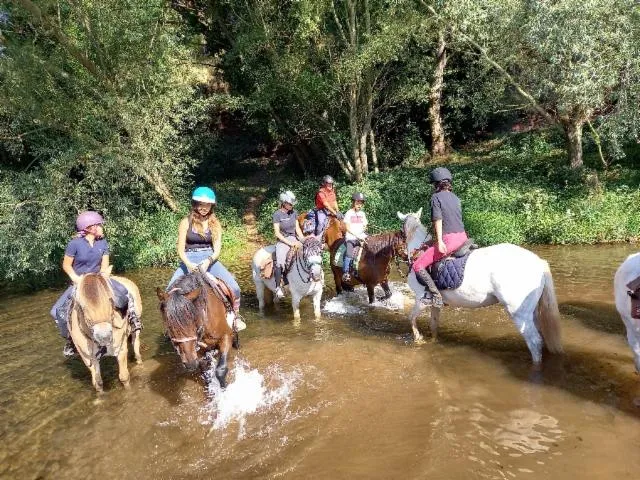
point(312, 244)
point(94, 296)
point(383, 243)
point(180, 313)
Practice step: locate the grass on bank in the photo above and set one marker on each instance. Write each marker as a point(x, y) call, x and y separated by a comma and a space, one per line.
point(516, 189)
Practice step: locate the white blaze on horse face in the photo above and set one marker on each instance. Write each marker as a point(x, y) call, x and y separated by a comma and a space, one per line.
point(316, 272)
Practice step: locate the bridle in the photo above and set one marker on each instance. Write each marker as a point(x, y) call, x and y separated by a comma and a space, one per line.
point(195, 338)
point(308, 262)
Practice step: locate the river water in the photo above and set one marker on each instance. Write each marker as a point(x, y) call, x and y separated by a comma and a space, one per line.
point(348, 396)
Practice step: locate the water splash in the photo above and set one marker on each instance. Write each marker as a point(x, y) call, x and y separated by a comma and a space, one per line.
point(357, 302)
point(250, 393)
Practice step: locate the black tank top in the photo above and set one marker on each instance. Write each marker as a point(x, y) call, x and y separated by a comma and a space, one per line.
point(195, 240)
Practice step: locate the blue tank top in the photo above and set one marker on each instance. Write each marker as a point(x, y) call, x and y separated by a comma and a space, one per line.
point(196, 241)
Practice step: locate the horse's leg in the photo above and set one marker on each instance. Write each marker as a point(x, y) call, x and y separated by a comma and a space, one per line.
point(260, 294)
point(371, 293)
point(123, 367)
point(295, 303)
point(221, 367)
point(524, 320)
point(337, 279)
point(317, 296)
point(413, 318)
point(633, 338)
point(135, 343)
point(435, 322)
point(387, 289)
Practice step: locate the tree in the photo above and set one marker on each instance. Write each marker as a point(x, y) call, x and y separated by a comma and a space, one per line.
point(565, 59)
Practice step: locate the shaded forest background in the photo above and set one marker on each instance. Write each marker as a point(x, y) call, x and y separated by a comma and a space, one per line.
point(123, 105)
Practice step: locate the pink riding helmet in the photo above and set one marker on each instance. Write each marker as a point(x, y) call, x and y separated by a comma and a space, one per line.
point(88, 218)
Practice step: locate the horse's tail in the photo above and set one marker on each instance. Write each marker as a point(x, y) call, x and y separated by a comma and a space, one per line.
point(548, 315)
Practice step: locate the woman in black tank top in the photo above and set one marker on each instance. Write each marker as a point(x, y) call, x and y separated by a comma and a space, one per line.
point(200, 241)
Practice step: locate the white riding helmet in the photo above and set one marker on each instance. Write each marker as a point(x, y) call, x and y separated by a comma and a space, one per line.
point(288, 197)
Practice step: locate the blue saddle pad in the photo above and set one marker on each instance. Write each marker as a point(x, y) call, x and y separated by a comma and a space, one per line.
point(449, 273)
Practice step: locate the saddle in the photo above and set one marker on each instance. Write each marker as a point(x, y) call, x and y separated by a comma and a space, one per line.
point(268, 263)
point(341, 252)
point(448, 272)
point(226, 295)
point(633, 290)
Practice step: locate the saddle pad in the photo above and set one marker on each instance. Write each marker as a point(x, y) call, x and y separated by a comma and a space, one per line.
point(339, 255)
point(450, 272)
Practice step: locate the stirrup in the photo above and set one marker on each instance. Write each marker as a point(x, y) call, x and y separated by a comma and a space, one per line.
point(279, 293)
point(346, 277)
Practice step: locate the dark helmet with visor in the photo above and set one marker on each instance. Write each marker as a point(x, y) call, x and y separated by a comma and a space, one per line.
point(440, 174)
point(358, 197)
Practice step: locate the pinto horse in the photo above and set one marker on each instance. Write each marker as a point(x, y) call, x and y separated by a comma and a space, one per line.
point(374, 265)
point(195, 319)
point(506, 274)
point(98, 329)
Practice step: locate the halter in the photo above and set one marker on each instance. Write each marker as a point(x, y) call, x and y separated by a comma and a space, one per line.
point(309, 263)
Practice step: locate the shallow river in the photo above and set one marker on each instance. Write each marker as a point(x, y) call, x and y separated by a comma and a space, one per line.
point(348, 396)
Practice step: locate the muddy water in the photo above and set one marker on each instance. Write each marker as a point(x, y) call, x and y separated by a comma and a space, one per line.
point(345, 397)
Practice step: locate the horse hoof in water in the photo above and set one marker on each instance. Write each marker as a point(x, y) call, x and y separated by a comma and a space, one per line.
point(419, 340)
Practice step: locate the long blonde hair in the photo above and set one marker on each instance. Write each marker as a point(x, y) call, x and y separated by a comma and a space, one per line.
point(200, 223)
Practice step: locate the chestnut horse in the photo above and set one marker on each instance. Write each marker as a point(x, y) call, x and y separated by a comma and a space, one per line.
point(98, 329)
point(196, 321)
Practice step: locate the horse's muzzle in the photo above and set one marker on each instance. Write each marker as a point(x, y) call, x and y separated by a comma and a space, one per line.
point(191, 366)
point(103, 334)
point(316, 273)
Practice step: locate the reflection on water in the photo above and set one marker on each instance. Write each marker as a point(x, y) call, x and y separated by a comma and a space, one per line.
point(346, 396)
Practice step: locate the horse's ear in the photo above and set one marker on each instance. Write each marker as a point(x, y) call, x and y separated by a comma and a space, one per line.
point(419, 213)
point(193, 294)
point(401, 216)
point(162, 295)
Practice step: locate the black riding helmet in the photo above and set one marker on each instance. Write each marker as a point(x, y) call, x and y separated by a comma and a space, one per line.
point(440, 174)
point(358, 196)
point(327, 179)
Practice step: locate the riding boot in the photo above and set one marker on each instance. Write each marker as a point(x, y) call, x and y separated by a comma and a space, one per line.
point(134, 319)
point(277, 272)
point(432, 296)
point(346, 269)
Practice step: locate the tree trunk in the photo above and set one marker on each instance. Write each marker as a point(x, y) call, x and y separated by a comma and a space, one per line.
point(438, 145)
point(353, 130)
point(374, 151)
point(573, 138)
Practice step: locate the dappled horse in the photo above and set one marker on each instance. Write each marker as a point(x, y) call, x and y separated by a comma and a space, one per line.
point(98, 329)
point(197, 320)
point(373, 266)
point(511, 275)
point(626, 288)
point(303, 272)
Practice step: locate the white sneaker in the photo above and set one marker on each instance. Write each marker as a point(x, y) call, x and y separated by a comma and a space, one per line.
point(279, 293)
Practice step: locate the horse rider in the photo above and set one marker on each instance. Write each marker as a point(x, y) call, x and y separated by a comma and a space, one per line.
point(200, 242)
point(88, 252)
point(287, 231)
point(449, 232)
point(326, 204)
point(355, 221)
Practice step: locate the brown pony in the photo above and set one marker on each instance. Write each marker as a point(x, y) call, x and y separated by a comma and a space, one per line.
point(98, 329)
point(373, 268)
point(195, 320)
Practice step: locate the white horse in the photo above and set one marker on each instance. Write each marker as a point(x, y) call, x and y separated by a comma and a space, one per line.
point(305, 276)
point(628, 271)
point(505, 273)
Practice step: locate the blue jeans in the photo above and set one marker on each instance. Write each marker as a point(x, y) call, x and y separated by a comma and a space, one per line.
point(59, 314)
point(217, 270)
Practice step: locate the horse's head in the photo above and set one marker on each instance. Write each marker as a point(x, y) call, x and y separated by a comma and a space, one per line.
point(312, 257)
point(94, 298)
point(411, 226)
point(181, 318)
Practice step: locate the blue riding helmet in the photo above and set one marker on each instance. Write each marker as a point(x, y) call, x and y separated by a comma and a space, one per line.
point(204, 195)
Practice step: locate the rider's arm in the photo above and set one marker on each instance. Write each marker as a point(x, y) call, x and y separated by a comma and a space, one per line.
point(182, 241)
point(217, 247)
point(280, 236)
point(299, 233)
point(67, 267)
point(437, 228)
point(104, 264)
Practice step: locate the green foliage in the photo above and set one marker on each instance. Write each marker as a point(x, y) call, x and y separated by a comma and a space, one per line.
point(520, 191)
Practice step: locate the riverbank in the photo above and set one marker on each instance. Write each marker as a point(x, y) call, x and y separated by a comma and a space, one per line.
point(514, 188)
